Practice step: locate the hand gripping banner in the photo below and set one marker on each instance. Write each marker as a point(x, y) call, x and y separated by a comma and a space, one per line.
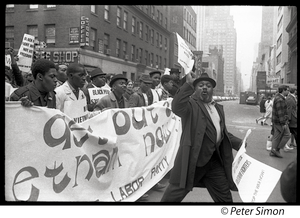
point(117, 155)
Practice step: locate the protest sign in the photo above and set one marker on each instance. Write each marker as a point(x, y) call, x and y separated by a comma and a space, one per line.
point(8, 61)
point(185, 56)
point(25, 53)
point(117, 155)
point(97, 93)
point(254, 179)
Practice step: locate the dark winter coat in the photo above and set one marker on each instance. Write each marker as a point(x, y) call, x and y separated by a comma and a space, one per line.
point(195, 119)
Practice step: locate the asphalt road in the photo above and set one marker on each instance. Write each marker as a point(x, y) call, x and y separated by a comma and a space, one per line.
point(240, 118)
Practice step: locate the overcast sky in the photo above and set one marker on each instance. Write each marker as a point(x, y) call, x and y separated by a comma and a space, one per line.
point(247, 22)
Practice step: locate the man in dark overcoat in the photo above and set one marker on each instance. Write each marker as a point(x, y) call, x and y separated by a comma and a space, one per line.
point(204, 158)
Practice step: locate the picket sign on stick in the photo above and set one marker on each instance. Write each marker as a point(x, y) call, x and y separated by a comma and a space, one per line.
point(25, 53)
point(185, 55)
point(117, 155)
point(255, 180)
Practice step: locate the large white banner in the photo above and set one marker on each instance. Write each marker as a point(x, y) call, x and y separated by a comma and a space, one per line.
point(117, 155)
point(25, 53)
point(254, 179)
point(185, 55)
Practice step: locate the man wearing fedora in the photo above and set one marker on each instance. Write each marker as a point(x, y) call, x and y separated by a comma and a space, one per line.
point(115, 99)
point(204, 158)
point(97, 77)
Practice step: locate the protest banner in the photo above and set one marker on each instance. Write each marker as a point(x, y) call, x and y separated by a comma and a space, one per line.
point(185, 56)
point(254, 179)
point(25, 53)
point(97, 93)
point(117, 155)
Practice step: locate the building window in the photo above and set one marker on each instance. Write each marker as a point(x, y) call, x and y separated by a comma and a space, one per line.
point(166, 22)
point(152, 36)
point(151, 60)
point(278, 59)
point(141, 55)
point(33, 30)
point(50, 34)
point(125, 20)
point(141, 30)
point(132, 52)
point(119, 17)
point(166, 43)
point(133, 22)
point(146, 57)
point(93, 38)
point(124, 49)
point(51, 6)
point(10, 7)
point(279, 41)
point(33, 6)
point(118, 44)
point(10, 35)
point(146, 33)
point(279, 25)
point(106, 42)
point(93, 9)
point(157, 39)
point(106, 12)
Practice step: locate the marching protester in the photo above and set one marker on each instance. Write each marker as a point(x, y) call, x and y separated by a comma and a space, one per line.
point(70, 99)
point(115, 99)
point(41, 91)
point(129, 89)
point(292, 111)
point(155, 76)
point(281, 132)
point(205, 155)
point(165, 87)
point(14, 74)
point(61, 74)
point(97, 77)
point(143, 96)
point(175, 74)
point(262, 110)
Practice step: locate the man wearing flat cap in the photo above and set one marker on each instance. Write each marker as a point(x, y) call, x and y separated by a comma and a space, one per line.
point(143, 96)
point(94, 90)
point(115, 99)
point(204, 158)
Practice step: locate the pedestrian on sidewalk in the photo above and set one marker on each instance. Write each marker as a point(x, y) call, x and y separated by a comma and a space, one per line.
point(280, 122)
point(292, 110)
point(204, 158)
point(268, 114)
point(262, 110)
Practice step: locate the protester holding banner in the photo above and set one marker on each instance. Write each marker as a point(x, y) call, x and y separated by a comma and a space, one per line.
point(165, 87)
point(41, 91)
point(143, 96)
point(280, 122)
point(70, 98)
point(115, 99)
point(205, 154)
point(93, 90)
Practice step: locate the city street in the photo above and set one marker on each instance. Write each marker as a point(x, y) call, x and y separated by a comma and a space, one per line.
point(240, 118)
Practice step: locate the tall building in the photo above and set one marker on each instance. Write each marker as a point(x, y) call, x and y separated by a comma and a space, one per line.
point(118, 39)
point(183, 21)
point(292, 44)
point(282, 38)
point(219, 30)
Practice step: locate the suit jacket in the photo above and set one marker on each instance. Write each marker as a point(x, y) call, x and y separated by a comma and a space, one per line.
point(292, 110)
point(110, 101)
point(195, 119)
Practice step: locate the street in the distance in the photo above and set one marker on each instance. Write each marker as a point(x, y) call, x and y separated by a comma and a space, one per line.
point(239, 118)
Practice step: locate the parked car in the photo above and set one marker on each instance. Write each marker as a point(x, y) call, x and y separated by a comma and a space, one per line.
point(251, 100)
